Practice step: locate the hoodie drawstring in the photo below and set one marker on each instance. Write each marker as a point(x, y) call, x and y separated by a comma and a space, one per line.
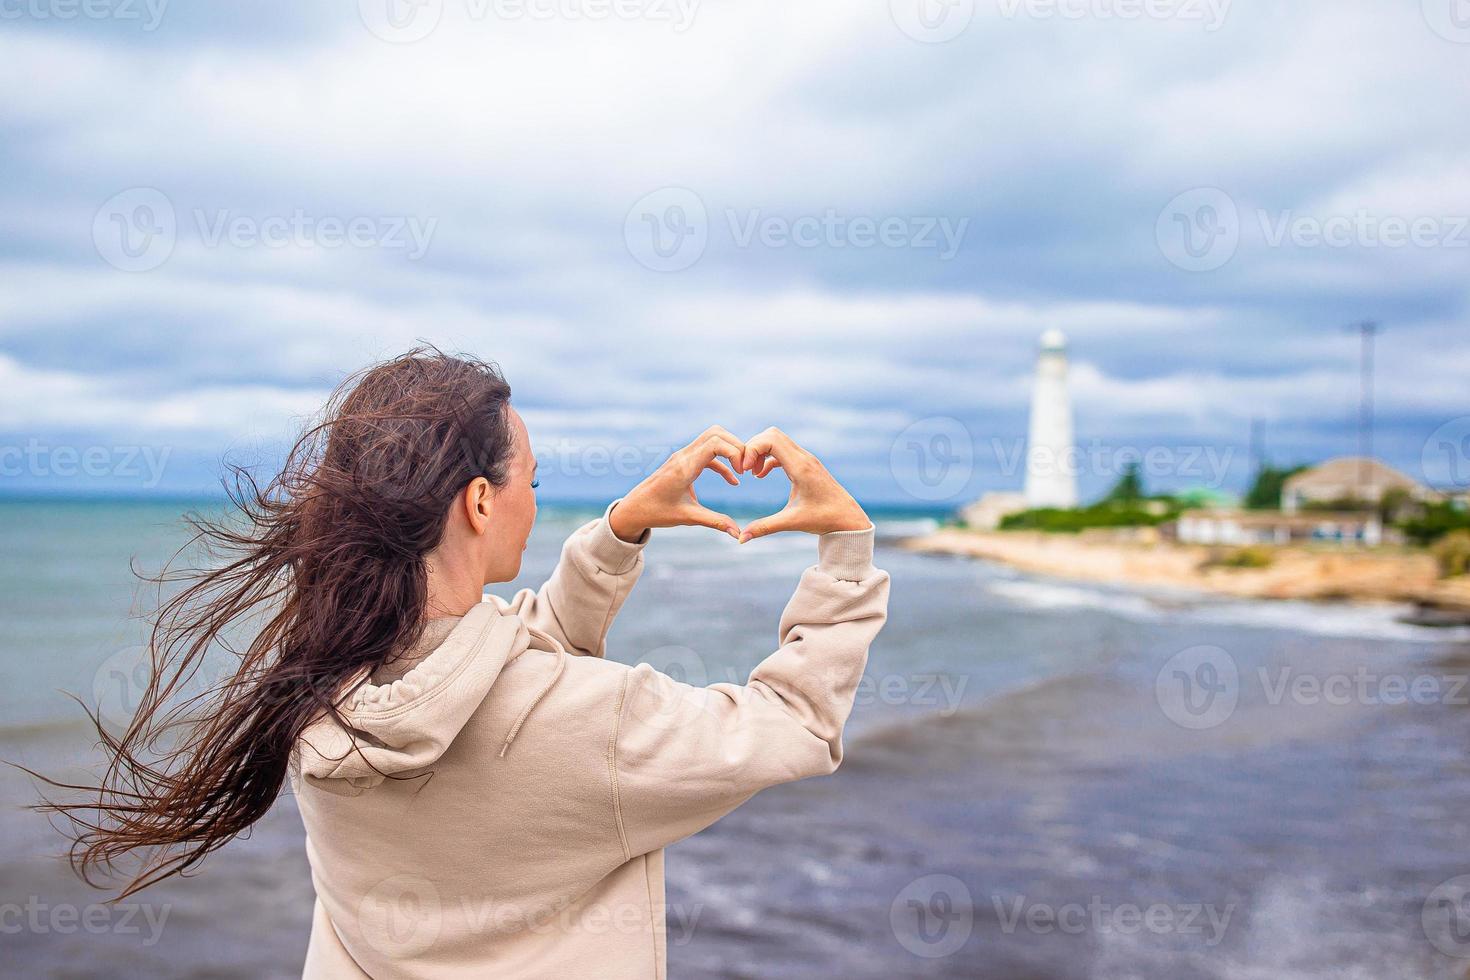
point(561, 662)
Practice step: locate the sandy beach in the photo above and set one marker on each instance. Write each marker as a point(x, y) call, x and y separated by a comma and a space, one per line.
point(1294, 573)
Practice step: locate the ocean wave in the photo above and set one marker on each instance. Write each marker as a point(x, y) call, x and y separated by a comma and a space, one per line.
point(1054, 595)
point(888, 528)
point(1378, 621)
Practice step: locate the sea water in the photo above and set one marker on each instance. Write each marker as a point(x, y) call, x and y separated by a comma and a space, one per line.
point(1042, 779)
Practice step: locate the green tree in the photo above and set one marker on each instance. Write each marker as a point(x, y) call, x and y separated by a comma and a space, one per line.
point(1437, 521)
point(1129, 488)
point(1396, 504)
point(1265, 491)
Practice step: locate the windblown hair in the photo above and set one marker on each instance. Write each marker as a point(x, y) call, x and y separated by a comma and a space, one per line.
point(325, 566)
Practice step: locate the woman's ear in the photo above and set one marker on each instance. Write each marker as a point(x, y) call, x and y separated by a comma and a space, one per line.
point(478, 498)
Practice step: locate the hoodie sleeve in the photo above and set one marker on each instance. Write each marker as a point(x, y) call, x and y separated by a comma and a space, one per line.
point(577, 604)
point(685, 756)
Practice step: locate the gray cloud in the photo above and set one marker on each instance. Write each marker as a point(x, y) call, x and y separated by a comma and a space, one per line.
point(1057, 142)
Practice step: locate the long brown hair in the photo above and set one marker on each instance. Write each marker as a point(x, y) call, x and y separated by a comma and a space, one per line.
point(328, 557)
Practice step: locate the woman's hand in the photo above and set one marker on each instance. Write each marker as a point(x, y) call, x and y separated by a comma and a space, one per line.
point(818, 503)
point(666, 498)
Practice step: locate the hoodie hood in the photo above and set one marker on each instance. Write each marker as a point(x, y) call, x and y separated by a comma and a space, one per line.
point(408, 724)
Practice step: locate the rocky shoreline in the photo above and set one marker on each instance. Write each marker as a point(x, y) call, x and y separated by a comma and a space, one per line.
point(1293, 573)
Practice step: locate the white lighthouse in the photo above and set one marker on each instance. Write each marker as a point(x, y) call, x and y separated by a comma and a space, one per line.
point(1051, 461)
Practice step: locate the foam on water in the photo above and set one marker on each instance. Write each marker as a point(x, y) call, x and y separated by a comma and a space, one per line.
point(896, 527)
point(1058, 596)
point(1381, 621)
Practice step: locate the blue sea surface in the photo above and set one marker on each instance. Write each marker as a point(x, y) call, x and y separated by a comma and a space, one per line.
point(1023, 795)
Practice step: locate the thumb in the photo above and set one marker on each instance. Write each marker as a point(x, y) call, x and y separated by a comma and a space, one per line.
point(785, 520)
point(704, 517)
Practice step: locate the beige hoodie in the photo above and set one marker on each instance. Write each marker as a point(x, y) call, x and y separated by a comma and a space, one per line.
point(501, 805)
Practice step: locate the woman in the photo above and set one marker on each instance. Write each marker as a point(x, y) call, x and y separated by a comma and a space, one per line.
point(483, 794)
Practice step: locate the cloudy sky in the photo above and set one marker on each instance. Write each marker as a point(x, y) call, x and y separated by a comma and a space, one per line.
point(850, 218)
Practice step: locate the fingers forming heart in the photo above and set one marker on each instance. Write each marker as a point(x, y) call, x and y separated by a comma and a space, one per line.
point(763, 454)
point(816, 502)
point(706, 453)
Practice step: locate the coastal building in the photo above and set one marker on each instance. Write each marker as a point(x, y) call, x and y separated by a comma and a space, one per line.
point(1051, 459)
point(1348, 478)
point(1247, 527)
point(1206, 498)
